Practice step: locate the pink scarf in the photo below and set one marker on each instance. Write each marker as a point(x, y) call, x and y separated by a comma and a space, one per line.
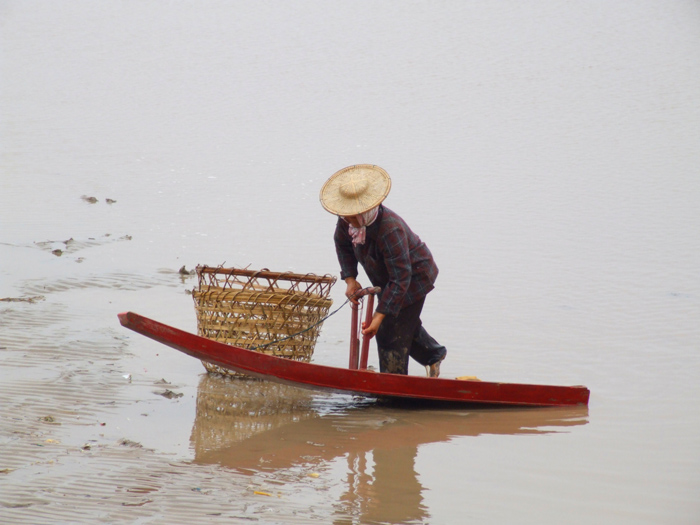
point(365, 219)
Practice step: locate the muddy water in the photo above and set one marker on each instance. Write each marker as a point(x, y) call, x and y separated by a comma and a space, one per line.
point(547, 155)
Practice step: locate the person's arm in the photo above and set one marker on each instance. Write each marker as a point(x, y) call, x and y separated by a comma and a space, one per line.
point(345, 251)
point(352, 287)
point(370, 329)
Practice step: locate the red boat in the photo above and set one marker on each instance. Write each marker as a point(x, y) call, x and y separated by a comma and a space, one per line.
point(358, 381)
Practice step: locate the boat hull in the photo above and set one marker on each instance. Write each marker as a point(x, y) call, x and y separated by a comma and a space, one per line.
point(359, 382)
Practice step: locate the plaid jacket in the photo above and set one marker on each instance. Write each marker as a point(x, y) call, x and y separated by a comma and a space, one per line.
point(393, 257)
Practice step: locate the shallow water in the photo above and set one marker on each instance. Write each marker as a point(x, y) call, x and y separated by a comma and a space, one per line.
point(546, 153)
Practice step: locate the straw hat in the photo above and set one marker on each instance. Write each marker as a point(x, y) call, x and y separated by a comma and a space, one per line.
point(355, 189)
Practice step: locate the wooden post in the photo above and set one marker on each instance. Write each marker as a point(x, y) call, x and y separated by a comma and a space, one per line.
point(365, 340)
point(354, 341)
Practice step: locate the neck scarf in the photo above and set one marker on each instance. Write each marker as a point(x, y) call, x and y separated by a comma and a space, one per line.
point(365, 219)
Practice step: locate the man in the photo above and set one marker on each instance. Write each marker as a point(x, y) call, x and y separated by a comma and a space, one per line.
point(393, 257)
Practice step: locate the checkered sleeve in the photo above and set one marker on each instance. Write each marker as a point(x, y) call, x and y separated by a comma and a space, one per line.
point(344, 250)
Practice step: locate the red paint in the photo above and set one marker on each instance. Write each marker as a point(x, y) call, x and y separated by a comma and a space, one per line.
point(354, 342)
point(354, 381)
point(364, 354)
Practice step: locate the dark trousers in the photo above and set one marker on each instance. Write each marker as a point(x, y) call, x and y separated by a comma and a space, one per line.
point(402, 336)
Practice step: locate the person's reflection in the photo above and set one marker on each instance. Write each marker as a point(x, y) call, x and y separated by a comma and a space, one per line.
point(263, 427)
point(391, 493)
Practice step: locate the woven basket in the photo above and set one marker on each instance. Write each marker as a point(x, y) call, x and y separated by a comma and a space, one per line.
point(270, 312)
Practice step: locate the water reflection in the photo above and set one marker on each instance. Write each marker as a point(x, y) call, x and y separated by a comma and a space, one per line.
point(231, 410)
point(382, 488)
point(258, 426)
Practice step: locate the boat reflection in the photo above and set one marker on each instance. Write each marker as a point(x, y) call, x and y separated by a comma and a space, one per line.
point(257, 426)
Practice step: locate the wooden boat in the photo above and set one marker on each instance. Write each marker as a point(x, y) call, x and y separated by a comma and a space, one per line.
point(355, 381)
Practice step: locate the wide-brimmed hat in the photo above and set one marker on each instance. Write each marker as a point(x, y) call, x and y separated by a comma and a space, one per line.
point(355, 189)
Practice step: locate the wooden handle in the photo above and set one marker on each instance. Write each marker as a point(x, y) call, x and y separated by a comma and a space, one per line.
point(364, 354)
point(354, 341)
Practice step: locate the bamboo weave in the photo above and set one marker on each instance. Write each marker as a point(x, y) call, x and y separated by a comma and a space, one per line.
point(270, 312)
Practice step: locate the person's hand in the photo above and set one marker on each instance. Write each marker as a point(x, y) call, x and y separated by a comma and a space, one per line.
point(370, 329)
point(353, 287)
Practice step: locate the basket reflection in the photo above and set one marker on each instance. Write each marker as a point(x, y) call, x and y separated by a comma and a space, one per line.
point(231, 410)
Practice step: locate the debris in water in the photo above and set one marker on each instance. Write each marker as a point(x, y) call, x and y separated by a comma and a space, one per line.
point(314, 475)
point(49, 419)
point(110, 201)
point(169, 394)
point(128, 443)
point(91, 200)
point(142, 503)
point(185, 271)
point(23, 299)
point(261, 493)
point(57, 252)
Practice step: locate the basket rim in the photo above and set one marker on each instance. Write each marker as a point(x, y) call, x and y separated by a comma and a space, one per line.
point(265, 273)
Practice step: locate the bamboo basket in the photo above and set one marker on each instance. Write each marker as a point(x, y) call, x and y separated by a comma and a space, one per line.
point(270, 312)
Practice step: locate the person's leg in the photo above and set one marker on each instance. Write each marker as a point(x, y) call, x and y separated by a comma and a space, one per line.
point(395, 338)
point(428, 352)
point(425, 349)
